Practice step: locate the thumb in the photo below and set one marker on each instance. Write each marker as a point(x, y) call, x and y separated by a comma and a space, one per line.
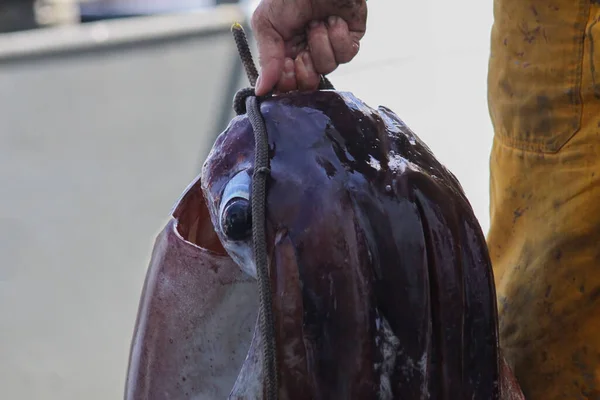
point(271, 52)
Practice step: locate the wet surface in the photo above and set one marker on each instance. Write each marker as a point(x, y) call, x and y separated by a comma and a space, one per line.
point(378, 264)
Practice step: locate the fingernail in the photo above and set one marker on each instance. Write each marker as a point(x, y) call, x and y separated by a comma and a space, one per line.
point(314, 24)
point(332, 20)
point(288, 67)
point(307, 61)
point(258, 81)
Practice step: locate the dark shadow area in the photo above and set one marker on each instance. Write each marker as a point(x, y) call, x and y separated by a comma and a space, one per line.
point(193, 220)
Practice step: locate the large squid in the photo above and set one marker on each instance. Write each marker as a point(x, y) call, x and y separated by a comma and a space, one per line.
point(382, 287)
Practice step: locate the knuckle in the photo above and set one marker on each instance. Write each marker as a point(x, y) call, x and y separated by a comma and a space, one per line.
point(326, 66)
point(340, 29)
point(308, 84)
point(256, 21)
point(318, 34)
point(345, 54)
point(343, 58)
point(259, 19)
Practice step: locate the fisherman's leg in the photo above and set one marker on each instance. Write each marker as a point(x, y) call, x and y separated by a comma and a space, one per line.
point(544, 96)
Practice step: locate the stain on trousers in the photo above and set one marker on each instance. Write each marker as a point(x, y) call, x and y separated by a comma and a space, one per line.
point(544, 240)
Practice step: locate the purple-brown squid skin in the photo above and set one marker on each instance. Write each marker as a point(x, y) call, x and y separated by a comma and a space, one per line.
point(374, 232)
point(382, 284)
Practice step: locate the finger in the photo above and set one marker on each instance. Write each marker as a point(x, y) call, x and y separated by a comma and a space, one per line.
point(355, 17)
point(307, 78)
point(295, 46)
point(320, 48)
point(287, 80)
point(271, 51)
point(343, 44)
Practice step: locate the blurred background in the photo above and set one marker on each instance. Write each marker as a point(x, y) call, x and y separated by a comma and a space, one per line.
point(107, 111)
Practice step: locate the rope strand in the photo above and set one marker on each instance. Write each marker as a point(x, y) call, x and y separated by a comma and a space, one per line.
point(259, 178)
point(245, 54)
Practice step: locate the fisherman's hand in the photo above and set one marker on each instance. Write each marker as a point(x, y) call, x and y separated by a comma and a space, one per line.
point(298, 40)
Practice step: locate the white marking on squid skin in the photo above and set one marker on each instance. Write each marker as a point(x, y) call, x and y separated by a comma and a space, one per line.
point(420, 366)
point(388, 345)
point(374, 163)
point(397, 127)
point(393, 126)
point(409, 368)
point(423, 368)
point(397, 163)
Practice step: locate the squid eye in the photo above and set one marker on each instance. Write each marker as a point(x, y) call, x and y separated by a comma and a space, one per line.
point(235, 211)
point(236, 219)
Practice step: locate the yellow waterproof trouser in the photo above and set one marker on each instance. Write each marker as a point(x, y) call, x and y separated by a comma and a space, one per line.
point(544, 240)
